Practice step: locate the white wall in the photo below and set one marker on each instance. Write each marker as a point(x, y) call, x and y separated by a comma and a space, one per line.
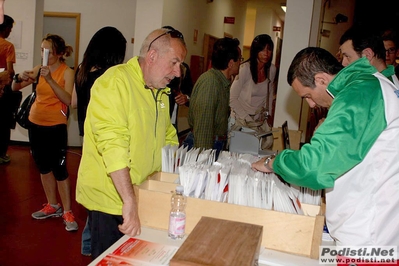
point(136, 18)
point(209, 18)
point(31, 18)
point(95, 14)
point(250, 24)
point(148, 17)
point(297, 35)
point(301, 29)
point(187, 15)
point(265, 20)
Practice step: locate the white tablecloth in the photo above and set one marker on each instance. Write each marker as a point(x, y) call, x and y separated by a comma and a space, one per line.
point(266, 257)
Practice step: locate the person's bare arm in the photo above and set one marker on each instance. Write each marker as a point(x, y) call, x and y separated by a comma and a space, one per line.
point(181, 99)
point(64, 94)
point(25, 78)
point(74, 100)
point(131, 222)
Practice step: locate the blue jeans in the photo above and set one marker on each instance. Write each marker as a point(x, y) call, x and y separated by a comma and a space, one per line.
point(189, 141)
point(86, 239)
point(218, 144)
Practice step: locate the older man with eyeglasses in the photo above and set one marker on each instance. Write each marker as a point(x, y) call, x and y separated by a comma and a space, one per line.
point(127, 124)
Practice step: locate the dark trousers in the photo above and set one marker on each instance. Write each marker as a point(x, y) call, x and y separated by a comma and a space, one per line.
point(5, 117)
point(5, 133)
point(9, 103)
point(104, 231)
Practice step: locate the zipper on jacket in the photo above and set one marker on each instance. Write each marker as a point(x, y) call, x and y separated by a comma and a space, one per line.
point(155, 96)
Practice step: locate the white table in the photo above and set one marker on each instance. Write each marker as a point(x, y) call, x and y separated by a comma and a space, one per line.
point(267, 257)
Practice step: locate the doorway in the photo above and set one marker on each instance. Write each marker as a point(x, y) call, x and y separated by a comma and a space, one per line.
point(66, 25)
point(209, 41)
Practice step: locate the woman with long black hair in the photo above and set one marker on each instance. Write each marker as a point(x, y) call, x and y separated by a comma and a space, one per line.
point(106, 48)
point(252, 92)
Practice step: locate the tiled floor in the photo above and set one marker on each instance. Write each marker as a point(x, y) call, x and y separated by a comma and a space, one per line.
point(24, 240)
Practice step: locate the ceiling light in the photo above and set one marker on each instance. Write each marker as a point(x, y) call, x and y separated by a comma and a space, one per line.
point(284, 7)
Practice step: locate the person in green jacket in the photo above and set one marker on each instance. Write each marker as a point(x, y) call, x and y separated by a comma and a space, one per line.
point(127, 125)
point(354, 152)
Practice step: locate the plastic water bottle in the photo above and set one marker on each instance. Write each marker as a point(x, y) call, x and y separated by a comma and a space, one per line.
point(177, 218)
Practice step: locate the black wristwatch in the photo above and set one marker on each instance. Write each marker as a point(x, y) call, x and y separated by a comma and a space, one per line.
point(16, 78)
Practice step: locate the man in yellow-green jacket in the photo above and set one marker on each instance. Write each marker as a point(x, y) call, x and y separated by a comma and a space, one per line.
point(126, 126)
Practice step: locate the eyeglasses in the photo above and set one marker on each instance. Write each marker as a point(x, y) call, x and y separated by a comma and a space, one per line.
point(173, 34)
point(391, 50)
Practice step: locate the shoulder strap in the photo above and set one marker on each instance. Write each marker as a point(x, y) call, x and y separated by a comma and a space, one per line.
point(34, 84)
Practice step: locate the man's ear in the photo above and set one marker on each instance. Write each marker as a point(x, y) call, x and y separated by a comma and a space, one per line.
point(230, 64)
point(321, 79)
point(368, 52)
point(151, 56)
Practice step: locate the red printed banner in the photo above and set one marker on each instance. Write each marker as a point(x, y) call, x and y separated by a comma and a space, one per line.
point(229, 20)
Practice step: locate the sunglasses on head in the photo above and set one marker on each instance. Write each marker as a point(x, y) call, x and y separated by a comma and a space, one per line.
point(173, 34)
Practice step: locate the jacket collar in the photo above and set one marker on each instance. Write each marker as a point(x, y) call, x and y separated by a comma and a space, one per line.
point(349, 74)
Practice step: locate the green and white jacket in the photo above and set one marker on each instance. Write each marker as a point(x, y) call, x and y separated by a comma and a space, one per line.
point(354, 155)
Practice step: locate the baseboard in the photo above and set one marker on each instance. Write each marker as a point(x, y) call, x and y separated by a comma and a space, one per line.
point(19, 143)
point(26, 143)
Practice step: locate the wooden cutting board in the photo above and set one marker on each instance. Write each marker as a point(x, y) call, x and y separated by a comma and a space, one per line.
point(220, 242)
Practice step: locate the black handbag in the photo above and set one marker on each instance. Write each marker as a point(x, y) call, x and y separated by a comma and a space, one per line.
point(22, 116)
point(15, 101)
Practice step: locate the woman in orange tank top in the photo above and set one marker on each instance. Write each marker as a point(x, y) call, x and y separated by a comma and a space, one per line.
point(48, 132)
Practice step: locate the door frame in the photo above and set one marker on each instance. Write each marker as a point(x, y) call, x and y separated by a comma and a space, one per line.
point(76, 16)
point(207, 49)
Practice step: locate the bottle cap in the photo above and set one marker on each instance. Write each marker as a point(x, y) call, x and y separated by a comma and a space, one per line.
point(180, 189)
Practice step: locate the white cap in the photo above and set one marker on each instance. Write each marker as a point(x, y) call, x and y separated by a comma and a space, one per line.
point(180, 189)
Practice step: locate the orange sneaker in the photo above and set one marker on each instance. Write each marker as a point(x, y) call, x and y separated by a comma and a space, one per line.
point(69, 221)
point(48, 211)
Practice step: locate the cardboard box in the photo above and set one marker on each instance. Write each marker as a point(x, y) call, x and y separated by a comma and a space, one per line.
point(291, 233)
point(220, 242)
point(164, 177)
point(308, 209)
point(295, 139)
